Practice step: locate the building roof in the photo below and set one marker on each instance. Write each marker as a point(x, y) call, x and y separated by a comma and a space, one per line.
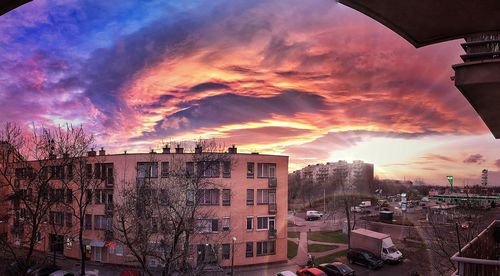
point(8, 5)
point(424, 22)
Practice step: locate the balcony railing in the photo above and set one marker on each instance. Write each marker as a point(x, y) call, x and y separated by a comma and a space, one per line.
point(108, 209)
point(272, 234)
point(108, 235)
point(272, 182)
point(272, 208)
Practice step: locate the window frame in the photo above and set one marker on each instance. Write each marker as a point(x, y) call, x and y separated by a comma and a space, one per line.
point(252, 200)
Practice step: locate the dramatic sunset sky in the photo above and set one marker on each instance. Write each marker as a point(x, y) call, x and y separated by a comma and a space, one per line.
point(312, 79)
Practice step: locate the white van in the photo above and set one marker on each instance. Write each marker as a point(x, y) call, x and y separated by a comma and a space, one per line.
point(313, 215)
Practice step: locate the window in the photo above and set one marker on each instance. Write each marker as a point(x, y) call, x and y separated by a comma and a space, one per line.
point(208, 197)
point(190, 197)
point(226, 224)
point(38, 237)
point(209, 169)
point(89, 170)
point(226, 169)
point(108, 173)
point(89, 196)
point(267, 170)
point(57, 172)
point(69, 220)
point(250, 170)
point(249, 196)
point(249, 249)
point(119, 250)
point(102, 222)
point(262, 196)
point(88, 222)
point(100, 197)
point(266, 248)
point(189, 168)
point(226, 197)
point(265, 223)
point(207, 225)
point(249, 223)
point(70, 171)
point(69, 195)
point(56, 195)
point(165, 170)
point(147, 169)
point(56, 218)
point(226, 249)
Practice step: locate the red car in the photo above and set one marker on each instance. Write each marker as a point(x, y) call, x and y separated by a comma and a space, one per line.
point(310, 272)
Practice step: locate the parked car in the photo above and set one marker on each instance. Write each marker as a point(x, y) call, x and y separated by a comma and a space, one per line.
point(44, 270)
point(18, 267)
point(311, 271)
point(356, 209)
point(466, 224)
point(336, 269)
point(363, 257)
point(130, 272)
point(286, 273)
point(313, 215)
point(62, 273)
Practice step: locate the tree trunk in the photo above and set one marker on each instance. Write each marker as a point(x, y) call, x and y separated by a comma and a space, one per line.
point(82, 247)
point(348, 224)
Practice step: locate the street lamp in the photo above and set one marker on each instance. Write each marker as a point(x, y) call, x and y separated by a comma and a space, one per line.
point(232, 257)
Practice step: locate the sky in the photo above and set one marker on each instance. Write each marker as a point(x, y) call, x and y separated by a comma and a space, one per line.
point(313, 80)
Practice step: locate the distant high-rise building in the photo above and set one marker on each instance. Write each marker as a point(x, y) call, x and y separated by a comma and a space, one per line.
point(484, 177)
point(357, 175)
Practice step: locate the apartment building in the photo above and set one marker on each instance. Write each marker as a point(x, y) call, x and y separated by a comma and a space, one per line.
point(356, 175)
point(248, 204)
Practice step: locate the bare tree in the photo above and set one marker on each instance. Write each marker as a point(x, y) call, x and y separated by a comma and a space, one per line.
point(346, 197)
point(162, 214)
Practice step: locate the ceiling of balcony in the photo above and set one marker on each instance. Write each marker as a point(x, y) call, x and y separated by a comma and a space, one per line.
point(424, 22)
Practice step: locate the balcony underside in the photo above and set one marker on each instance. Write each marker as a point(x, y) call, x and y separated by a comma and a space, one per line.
point(8, 5)
point(424, 22)
point(479, 82)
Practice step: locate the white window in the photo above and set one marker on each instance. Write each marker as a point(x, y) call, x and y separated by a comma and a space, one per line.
point(207, 225)
point(262, 196)
point(265, 223)
point(249, 223)
point(119, 250)
point(226, 224)
point(266, 248)
point(267, 170)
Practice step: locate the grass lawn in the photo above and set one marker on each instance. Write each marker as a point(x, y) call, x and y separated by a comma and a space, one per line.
point(320, 247)
point(327, 236)
point(294, 235)
point(330, 258)
point(292, 249)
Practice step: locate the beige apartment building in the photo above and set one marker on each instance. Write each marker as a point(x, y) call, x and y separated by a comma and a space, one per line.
point(248, 204)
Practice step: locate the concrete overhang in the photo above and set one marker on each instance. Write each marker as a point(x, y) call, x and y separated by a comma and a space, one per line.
point(479, 82)
point(424, 22)
point(8, 5)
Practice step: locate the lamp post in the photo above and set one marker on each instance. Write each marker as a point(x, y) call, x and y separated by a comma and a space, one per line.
point(232, 257)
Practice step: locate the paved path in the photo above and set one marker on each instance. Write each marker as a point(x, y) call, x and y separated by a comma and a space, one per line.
point(301, 258)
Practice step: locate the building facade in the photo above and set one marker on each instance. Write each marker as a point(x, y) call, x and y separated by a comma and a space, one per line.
point(356, 176)
point(248, 207)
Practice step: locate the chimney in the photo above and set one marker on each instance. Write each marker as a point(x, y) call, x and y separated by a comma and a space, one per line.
point(153, 151)
point(166, 149)
point(233, 150)
point(52, 156)
point(198, 149)
point(65, 155)
point(102, 151)
point(91, 152)
point(178, 149)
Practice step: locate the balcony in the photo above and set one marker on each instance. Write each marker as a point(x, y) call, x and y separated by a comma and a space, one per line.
point(108, 209)
point(272, 182)
point(272, 208)
point(272, 234)
point(108, 235)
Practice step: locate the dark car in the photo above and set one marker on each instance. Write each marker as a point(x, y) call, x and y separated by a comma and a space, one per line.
point(363, 257)
point(336, 269)
point(45, 270)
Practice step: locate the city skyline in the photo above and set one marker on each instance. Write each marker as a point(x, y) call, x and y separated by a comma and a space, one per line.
point(313, 80)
